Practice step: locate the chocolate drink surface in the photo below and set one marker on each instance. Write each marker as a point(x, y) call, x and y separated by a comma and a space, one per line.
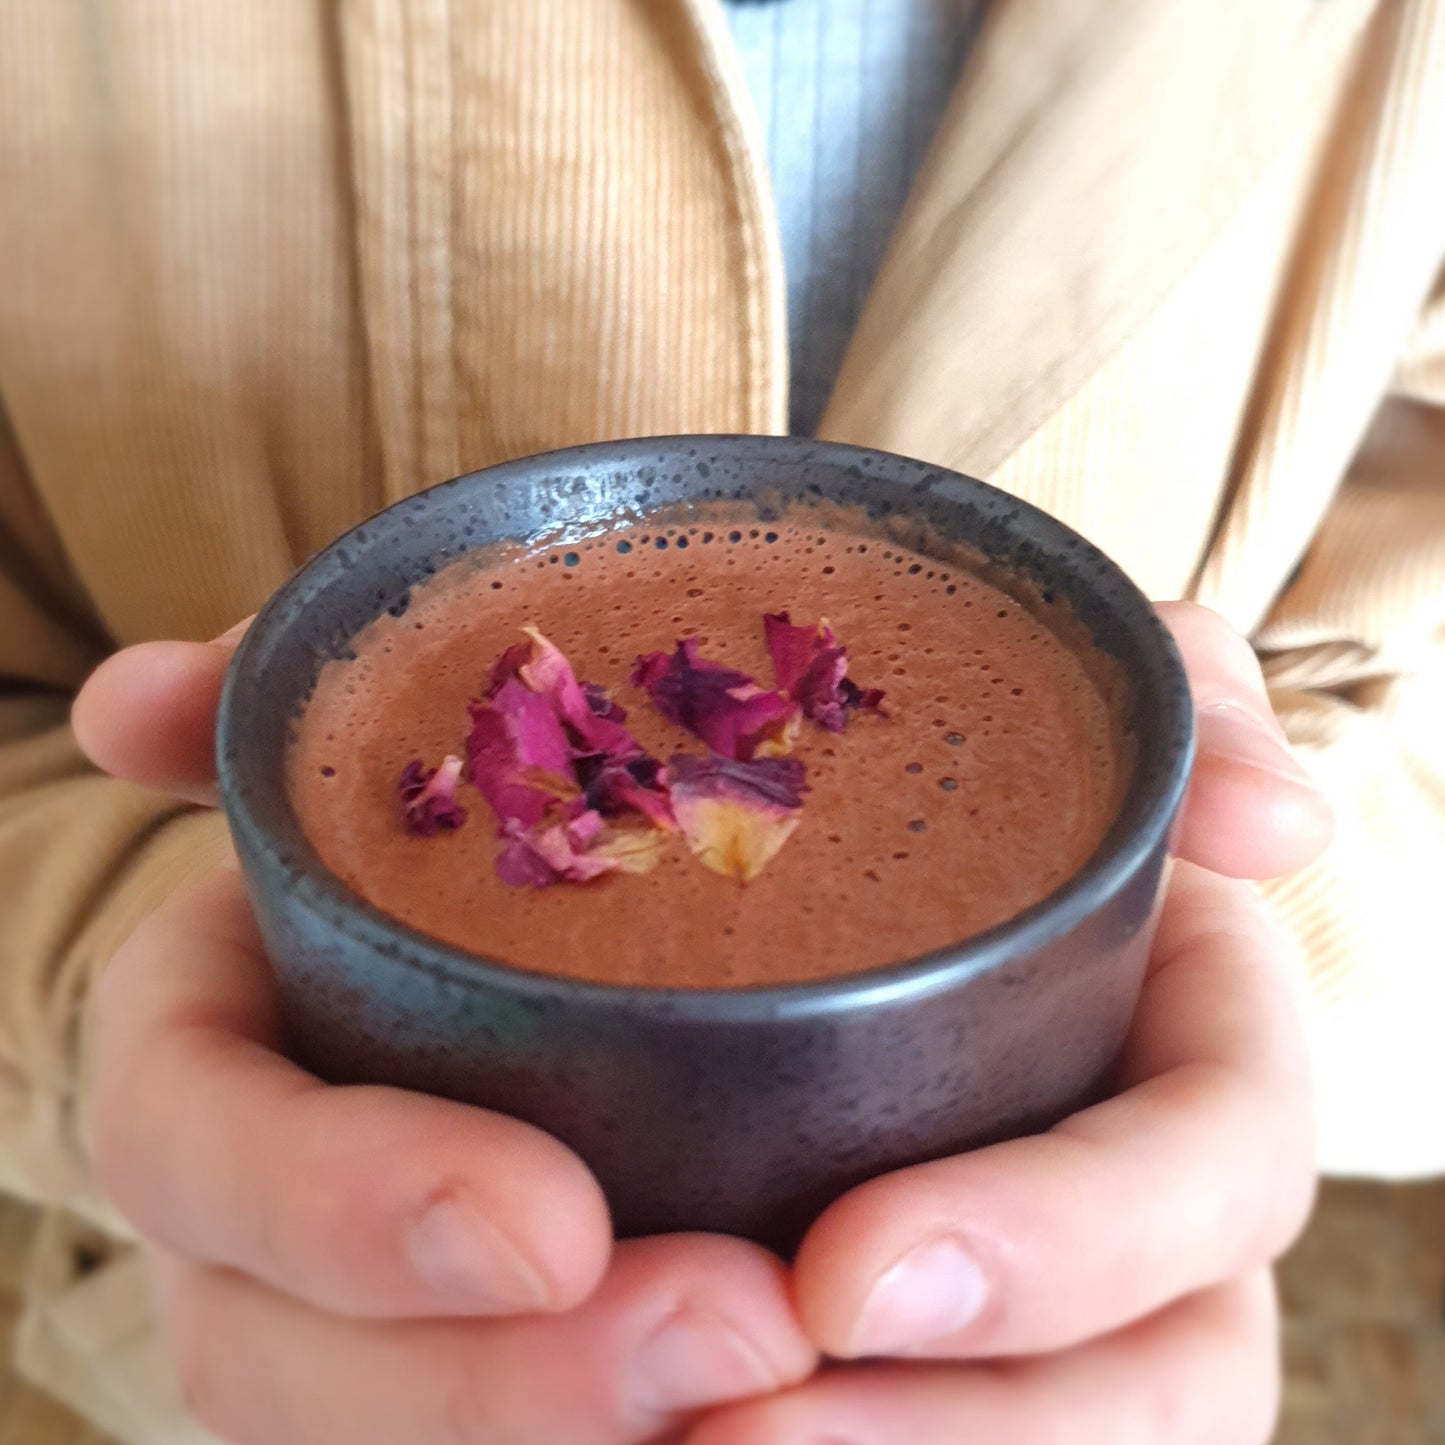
point(987, 780)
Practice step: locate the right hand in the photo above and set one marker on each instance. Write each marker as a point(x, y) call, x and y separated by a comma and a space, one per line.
point(367, 1264)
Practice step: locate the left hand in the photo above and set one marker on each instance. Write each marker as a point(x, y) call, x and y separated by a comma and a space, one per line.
point(1106, 1283)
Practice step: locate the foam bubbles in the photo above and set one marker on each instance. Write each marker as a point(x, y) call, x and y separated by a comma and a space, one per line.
point(911, 802)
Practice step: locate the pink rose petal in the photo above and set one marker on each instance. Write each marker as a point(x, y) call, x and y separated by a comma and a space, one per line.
point(538, 739)
point(541, 667)
point(575, 850)
point(791, 648)
point(520, 865)
point(513, 791)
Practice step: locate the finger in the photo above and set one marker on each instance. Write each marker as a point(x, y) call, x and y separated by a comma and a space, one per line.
point(1201, 1170)
point(364, 1200)
point(1206, 1372)
point(1252, 811)
point(679, 1324)
point(148, 714)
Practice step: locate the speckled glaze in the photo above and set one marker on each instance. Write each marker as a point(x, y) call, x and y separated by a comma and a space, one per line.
point(743, 1111)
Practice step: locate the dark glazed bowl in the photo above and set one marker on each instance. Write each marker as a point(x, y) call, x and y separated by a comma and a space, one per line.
point(747, 1110)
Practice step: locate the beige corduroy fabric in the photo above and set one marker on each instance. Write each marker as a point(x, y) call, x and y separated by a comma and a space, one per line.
point(269, 266)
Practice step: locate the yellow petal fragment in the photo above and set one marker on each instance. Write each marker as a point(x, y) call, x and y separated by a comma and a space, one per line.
point(732, 838)
point(632, 850)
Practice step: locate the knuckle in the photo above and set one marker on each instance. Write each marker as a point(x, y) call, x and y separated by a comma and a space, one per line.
point(114, 1157)
point(107, 1147)
point(1285, 1194)
point(1182, 609)
point(1258, 1416)
point(199, 1368)
point(114, 1180)
point(220, 1367)
point(467, 1408)
point(1281, 1195)
point(1205, 1410)
point(271, 1195)
point(259, 1164)
point(1252, 1412)
point(304, 1210)
point(111, 987)
point(1292, 1204)
point(115, 990)
point(1194, 623)
point(113, 1088)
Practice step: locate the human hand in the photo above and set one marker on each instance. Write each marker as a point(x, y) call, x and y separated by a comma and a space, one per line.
point(148, 715)
point(1105, 1283)
point(366, 1264)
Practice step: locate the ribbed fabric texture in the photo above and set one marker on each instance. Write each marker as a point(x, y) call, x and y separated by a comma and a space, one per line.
point(848, 95)
point(1388, 139)
point(268, 266)
point(464, 233)
point(172, 327)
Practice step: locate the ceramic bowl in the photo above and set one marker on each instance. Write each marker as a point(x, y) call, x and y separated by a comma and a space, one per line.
point(746, 1110)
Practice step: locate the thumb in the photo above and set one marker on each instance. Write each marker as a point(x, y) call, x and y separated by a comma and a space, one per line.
point(148, 714)
point(1252, 811)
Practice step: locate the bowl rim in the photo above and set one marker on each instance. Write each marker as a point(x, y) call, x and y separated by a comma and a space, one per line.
point(1140, 831)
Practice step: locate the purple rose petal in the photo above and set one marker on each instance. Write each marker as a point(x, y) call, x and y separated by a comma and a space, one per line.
point(601, 704)
point(614, 788)
point(427, 797)
point(726, 709)
point(812, 670)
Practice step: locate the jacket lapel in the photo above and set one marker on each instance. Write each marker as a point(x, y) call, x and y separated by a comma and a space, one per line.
point(1092, 154)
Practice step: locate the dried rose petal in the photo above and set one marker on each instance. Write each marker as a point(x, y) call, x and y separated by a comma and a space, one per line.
point(631, 850)
point(562, 847)
point(613, 788)
point(520, 865)
point(509, 664)
point(726, 709)
point(428, 797)
point(564, 777)
point(861, 699)
point(500, 737)
point(735, 816)
point(551, 757)
point(540, 666)
point(576, 850)
point(793, 649)
point(812, 670)
point(600, 701)
point(777, 783)
point(538, 740)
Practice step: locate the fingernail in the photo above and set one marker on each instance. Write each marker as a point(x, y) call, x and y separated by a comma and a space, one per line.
point(1229, 731)
point(692, 1360)
point(458, 1253)
point(933, 1291)
point(231, 634)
